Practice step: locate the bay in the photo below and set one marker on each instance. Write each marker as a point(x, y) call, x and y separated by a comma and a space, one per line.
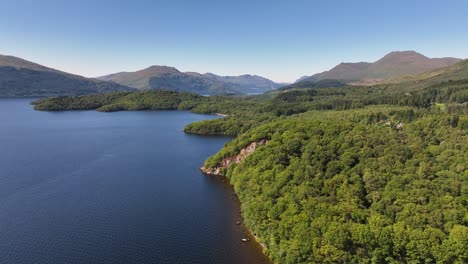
point(125, 187)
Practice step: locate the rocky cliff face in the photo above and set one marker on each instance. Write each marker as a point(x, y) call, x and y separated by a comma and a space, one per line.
point(243, 154)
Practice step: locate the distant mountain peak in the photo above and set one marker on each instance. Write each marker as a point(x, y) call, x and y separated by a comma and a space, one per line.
point(393, 64)
point(404, 52)
point(170, 78)
point(409, 56)
point(161, 69)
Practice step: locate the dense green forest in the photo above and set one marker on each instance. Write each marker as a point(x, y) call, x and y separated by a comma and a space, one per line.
point(348, 187)
point(349, 175)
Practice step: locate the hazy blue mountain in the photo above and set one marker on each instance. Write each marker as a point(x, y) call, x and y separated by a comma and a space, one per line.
point(21, 78)
point(169, 78)
point(248, 82)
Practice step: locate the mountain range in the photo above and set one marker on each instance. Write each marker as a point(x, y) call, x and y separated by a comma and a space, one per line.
point(393, 65)
point(21, 78)
point(169, 78)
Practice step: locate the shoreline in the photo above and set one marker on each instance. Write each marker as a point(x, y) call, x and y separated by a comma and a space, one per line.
point(219, 173)
point(261, 248)
point(237, 217)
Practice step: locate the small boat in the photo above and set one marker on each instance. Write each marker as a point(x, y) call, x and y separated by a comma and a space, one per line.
point(245, 240)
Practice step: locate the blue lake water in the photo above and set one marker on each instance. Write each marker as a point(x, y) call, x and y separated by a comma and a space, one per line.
point(90, 187)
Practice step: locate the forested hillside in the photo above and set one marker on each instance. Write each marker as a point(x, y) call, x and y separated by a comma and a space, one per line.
point(348, 174)
point(348, 187)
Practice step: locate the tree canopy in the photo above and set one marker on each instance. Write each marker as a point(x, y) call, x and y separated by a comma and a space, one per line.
point(349, 174)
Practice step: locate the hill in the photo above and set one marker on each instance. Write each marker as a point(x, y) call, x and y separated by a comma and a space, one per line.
point(325, 83)
point(247, 82)
point(394, 64)
point(169, 78)
point(302, 78)
point(456, 72)
point(21, 78)
point(381, 178)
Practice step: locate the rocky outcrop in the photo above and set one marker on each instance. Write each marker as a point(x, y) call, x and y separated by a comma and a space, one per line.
point(243, 154)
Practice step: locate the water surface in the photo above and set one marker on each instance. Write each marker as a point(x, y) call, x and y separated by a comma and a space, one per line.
point(90, 187)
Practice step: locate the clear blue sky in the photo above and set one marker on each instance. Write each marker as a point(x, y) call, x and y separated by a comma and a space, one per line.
point(281, 40)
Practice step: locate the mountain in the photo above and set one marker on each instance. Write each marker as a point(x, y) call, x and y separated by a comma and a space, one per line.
point(169, 78)
point(140, 79)
point(453, 73)
point(247, 81)
point(305, 172)
point(394, 64)
point(325, 83)
point(302, 78)
point(21, 78)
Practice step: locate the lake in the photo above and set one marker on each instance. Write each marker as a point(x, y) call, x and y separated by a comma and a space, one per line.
point(124, 187)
